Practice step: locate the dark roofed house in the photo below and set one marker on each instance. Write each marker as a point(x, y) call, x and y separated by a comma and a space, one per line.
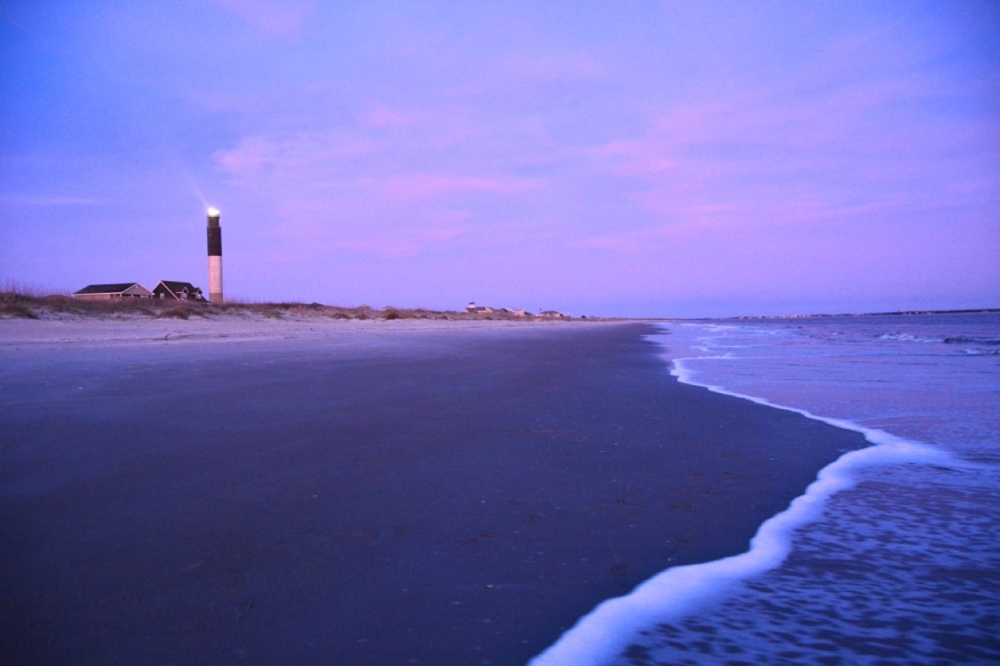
point(181, 291)
point(107, 292)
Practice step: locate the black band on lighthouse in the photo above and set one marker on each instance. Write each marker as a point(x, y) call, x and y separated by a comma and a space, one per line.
point(215, 241)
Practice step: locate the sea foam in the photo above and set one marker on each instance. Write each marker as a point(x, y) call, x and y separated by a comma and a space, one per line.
point(605, 632)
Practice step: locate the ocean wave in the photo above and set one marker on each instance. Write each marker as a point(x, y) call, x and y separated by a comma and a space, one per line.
point(906, 337)
point(950, 340)
point(605, 632)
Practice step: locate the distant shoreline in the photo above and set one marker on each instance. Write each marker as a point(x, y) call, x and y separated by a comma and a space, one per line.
point(898, 313)
point(19, 305)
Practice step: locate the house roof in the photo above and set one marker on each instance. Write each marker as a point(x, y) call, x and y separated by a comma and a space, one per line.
point(173, 285)
point(116, 288)
point(178, 290)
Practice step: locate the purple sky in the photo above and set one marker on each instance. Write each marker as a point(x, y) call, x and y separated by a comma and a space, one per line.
point(609, 158)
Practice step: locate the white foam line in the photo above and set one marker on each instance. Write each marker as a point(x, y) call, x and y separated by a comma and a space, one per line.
point(606, 631)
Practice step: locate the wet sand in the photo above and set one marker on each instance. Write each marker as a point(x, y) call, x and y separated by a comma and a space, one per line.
point(435, 497)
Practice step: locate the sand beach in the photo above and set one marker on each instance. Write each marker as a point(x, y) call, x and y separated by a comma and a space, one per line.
point(385, 492)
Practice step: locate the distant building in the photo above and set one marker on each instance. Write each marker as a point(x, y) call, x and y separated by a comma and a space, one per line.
point(181, 291)
point(482, 309)
point(477, 309)
point(553, 314)
point(515, 313)
point(107, 292)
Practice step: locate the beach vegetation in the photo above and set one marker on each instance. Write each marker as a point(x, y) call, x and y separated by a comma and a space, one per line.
point(21, 302)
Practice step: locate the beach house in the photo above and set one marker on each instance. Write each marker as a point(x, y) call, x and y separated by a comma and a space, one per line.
point(107, 292)
point(181, 291)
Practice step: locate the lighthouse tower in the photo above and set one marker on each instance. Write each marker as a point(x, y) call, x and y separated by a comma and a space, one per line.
point(214, 257)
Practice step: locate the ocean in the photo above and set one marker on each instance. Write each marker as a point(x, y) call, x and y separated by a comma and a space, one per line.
point(892, 556)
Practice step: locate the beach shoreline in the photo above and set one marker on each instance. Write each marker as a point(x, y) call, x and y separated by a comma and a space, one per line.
point(363, 493)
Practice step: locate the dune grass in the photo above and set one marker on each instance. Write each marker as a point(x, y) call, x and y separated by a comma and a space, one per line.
point(17, 302)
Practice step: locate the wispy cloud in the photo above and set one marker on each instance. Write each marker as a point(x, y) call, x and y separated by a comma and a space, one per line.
point(45, 201)
point(808, 151)
point(321, 228)
point(553, 67)
point(422, 186)
point(259, 155)
point(727, 224)
point(398, 245)
point(633, 157)
point(277, 17)
point(383, 118)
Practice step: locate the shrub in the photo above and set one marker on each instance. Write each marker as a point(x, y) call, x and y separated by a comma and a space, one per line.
point(16, 311)
point(174, 313)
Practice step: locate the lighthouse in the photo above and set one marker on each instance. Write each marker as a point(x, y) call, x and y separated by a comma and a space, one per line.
point(214, 257)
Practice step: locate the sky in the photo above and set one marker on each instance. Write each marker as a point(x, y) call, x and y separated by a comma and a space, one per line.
point(599, 158)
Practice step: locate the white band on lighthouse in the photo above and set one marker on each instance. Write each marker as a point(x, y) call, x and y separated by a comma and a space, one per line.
point(215, 279)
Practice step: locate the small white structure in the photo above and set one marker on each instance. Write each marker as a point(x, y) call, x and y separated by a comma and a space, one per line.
point(477, 309)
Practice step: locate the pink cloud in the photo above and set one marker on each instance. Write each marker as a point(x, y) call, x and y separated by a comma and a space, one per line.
point(634, 158)
point(652, 239)
point(386, 245)
point(550, 67)
point(53, 200)
point(248, 158)
point(282, 18)
point(409, 243)
point(416, 187)
point(383, 118)
point(620, 244)
point(976, 186)
point(778, 117)
point(717, 224)
point(764, 159)
point(324, 226)
point(254, 155)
